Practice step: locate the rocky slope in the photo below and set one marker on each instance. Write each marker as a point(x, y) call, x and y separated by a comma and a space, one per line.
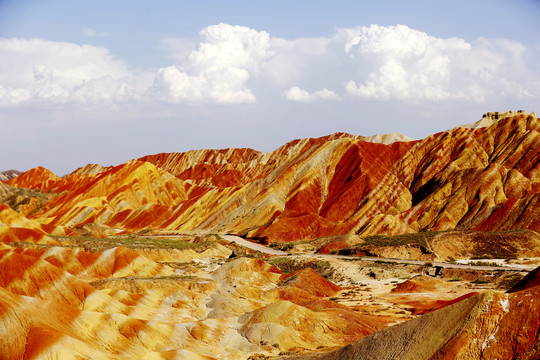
point(182, 298)
point(483, 326)
point(22, 200)
point(65, 302)
point(164, 297)
point(467, 178)
point(89, 298)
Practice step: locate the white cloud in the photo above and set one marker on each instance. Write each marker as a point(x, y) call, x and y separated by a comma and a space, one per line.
point(397, 62)
point(402, 63)
point(219, 69)
point(177, 48)
point(92, 33)
point(235, 64)
point(297, 94)
point(219, 85)
point(38, 71)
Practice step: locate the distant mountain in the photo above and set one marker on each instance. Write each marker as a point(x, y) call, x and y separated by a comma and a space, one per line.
point(467, 178)
point(9, 174)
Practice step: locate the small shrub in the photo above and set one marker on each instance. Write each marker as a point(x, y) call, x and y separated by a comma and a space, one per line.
point(285, 264)
point(478, 281)
point(508, 281)
point(484, 263)
point(281, 246)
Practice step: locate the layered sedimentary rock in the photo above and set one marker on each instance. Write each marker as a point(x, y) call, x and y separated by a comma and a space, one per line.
point(68, 303)
point(489, 325)
point(467, 178)
point(15, 227)
point(59, 300)
point(63, 300)
point(22, 200)
point(37, 178)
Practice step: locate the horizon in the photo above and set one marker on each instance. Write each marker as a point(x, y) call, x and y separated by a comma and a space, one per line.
point(105, 83)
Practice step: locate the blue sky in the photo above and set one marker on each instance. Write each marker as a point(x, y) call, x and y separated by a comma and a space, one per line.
point(107, 81)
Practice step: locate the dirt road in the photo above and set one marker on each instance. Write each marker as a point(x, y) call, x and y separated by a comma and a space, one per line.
point(433, 264)
point(253, 246)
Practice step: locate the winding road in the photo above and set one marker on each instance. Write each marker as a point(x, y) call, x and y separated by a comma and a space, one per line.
point(261, 248)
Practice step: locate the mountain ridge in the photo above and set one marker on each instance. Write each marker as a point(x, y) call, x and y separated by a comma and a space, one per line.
point(466, 178)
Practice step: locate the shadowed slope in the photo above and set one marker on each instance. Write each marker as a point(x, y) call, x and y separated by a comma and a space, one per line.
point(532, 279)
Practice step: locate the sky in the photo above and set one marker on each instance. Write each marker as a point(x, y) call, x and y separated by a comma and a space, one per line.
point(108, 81)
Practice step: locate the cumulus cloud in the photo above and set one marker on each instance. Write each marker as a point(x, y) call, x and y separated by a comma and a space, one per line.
point(38, 71)
point(219, 69)
point(297, 94)
point(403, 63)
point(294, 59)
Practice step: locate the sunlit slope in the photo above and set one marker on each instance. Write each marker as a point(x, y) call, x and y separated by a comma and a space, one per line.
point(69, 303)
point(135, 192)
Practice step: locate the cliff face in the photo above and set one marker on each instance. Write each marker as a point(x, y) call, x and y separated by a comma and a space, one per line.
point(467, 178)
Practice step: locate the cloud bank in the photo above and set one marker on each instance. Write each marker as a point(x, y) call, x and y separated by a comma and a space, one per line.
point(42, 72)
point(238, 65)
